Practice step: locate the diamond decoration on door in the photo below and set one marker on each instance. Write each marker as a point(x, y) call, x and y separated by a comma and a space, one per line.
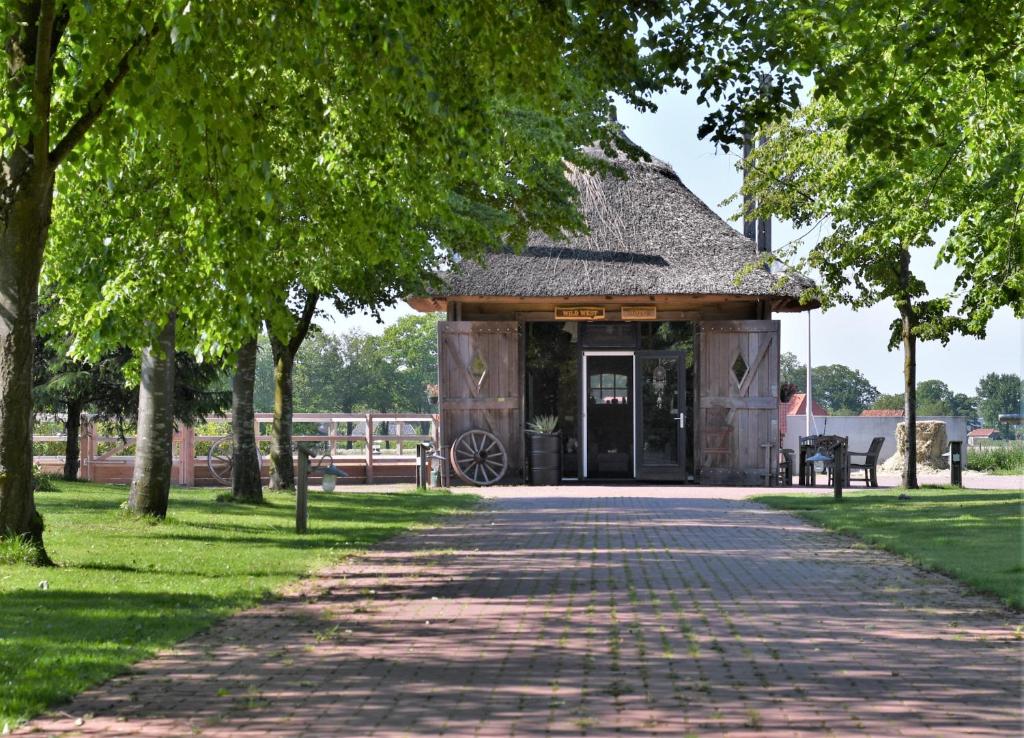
point(478, 370)
point(739, 369)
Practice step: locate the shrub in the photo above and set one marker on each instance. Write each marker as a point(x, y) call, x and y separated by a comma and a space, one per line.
point(41, 481)
point(17, 550)
point(1008, 458)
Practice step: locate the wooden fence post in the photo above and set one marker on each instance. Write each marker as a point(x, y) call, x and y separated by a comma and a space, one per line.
point(838, 469)
point(87, 450)
point(187, 458)
point(369, 448)
point(302, 491)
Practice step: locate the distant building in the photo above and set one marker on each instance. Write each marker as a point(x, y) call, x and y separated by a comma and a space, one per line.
point(888, 413)
point(797, 405)
point(982, 434)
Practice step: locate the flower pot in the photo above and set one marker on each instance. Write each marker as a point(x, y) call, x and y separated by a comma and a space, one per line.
point(544, 454)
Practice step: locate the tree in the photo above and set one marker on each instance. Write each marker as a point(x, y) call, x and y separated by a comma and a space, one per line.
point(149, 493)
point(69, 387)
point(838, 388)
point(80, 80)
point(791, 371)
point(282, 470)
point(905, 77)
point(889, 402)
point(914, 113)
point(804, 172)
point(934, 397)
point(842, 390)
point(457, 142)
point(355, 371)
point(403, 361)
point(246, 484)
point(999, 394)
point(64, 65)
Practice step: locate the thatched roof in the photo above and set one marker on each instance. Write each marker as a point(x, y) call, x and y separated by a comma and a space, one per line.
point(649, 235)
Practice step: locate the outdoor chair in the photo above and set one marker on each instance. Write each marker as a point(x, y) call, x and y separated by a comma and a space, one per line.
point(787, 466)
point(869, 466)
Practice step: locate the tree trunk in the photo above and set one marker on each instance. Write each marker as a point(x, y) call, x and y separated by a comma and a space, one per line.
point(909, 479)
point(151, 481)
point(26, 197)
point(72, 451)
point(282, 471)
point(246, 485)
point(905, 306)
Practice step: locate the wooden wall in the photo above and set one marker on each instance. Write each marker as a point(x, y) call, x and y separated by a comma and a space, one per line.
point(479, 383)
point(738, 412)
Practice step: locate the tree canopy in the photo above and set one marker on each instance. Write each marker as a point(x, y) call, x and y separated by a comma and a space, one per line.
point(356, 371)
point(999, 394)
point(838, 388)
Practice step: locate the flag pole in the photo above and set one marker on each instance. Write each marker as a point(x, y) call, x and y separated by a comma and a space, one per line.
point(809, 398)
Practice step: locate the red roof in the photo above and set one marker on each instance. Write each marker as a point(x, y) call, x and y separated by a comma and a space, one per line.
point(887, 413)
point(982, 432)
point(797, 406)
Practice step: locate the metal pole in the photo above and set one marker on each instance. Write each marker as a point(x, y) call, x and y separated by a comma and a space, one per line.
point(809, 396)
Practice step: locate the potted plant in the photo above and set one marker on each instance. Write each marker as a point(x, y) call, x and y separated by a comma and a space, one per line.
point(544, 450)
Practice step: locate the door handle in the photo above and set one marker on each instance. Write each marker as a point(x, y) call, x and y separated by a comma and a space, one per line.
point(682, 420)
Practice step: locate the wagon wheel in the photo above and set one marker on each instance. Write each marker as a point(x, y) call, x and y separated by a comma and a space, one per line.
point(478, 457)
point(220, 460)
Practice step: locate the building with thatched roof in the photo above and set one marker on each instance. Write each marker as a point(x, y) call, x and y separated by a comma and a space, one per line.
point(649, 338)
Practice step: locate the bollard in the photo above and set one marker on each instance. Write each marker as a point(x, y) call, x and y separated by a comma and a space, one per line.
point(955, 464)
point(422, 453)
point(302, 491)
point(839, 462)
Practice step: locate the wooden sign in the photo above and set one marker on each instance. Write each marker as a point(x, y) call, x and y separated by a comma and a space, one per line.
point(644, 312)
point(579, 313)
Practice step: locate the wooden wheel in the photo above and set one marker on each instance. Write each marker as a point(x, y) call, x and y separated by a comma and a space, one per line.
point(221, 459)
point(478, 457)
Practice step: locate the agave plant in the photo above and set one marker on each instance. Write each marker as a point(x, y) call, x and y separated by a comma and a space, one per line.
point(543, 424)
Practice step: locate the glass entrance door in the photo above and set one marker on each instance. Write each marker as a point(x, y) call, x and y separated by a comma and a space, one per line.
point(661, 415)
point(608, 415)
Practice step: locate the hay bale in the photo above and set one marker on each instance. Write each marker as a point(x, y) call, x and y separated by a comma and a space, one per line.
point(932, 442)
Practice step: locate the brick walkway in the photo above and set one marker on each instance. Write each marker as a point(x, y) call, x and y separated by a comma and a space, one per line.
point(618, 611)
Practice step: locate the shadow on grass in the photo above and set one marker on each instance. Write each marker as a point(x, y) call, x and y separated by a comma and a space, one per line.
point(973, 535)
point(57, 643)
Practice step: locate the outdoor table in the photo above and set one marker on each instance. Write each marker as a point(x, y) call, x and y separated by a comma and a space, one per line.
point(809, 445)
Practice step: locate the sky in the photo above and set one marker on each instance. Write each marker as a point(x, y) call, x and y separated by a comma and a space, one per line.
point(841, 335)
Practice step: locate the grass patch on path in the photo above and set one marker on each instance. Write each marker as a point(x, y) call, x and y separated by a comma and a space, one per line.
point(126, 588)
point(973, 535)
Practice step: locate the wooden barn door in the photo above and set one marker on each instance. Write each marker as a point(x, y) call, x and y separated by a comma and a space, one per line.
point(478, 384)
point(738, 415)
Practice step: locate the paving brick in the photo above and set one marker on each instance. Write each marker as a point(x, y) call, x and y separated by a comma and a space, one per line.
point(590, 611)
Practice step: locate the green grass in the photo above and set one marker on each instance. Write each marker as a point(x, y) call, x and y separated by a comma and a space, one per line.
point(1002, 459)
point(127, 587)
point(973, 535)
